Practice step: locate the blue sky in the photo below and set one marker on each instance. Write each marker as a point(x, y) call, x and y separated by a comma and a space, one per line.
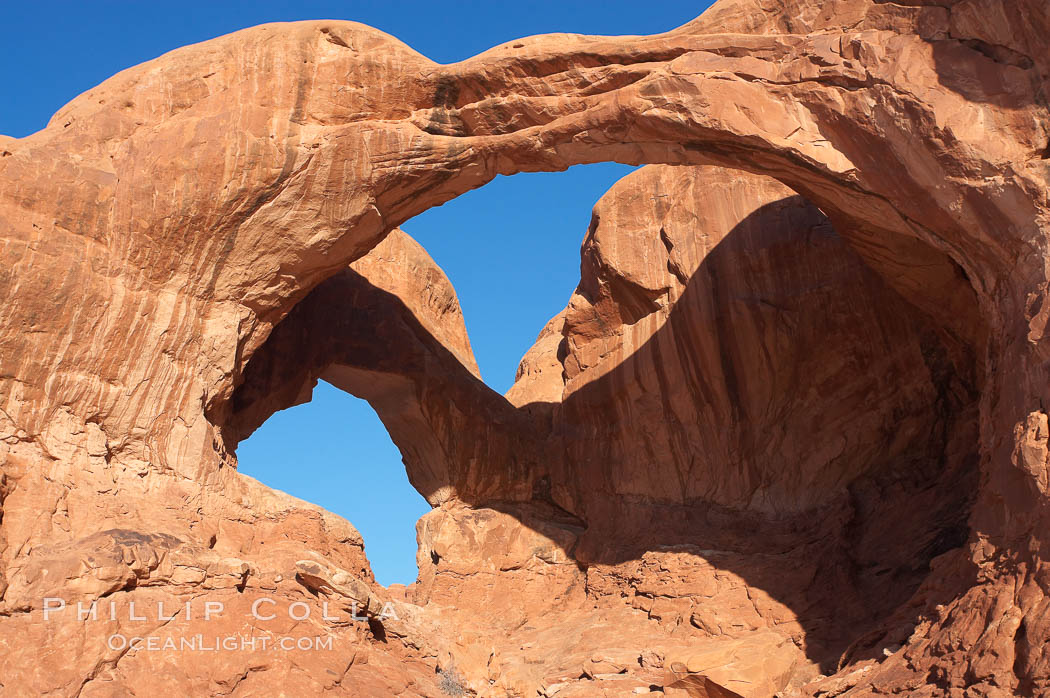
point(510, 248)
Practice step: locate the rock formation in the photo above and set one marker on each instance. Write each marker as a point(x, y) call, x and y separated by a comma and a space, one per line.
point(788, 437)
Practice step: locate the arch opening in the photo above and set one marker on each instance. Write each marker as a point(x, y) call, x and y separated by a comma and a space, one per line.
point(511, 250)
point(334, 451)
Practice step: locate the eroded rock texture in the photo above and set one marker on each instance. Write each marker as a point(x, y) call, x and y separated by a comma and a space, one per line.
point(789, 435)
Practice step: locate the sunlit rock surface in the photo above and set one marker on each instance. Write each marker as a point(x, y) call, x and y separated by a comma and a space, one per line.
point(789, 434)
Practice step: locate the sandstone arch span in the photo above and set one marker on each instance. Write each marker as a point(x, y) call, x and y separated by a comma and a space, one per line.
point(671, 415)
point(166, 221)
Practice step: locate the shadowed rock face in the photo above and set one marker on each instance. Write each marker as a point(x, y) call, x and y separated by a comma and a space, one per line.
point(784, 429)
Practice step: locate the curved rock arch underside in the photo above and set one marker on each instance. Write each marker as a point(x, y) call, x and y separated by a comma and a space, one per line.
point(788, 436)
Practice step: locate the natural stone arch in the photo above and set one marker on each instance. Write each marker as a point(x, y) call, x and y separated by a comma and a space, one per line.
point(315, 145)
point(244, 211)
point(756, 412)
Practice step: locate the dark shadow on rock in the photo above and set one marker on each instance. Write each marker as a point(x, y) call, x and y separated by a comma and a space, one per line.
point(985, 73)
point(995, 54)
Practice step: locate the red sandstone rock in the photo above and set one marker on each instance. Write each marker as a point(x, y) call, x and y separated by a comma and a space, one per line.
point(805, 414)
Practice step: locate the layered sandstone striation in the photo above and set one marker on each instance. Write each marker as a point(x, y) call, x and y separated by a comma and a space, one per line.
point(788, 436)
